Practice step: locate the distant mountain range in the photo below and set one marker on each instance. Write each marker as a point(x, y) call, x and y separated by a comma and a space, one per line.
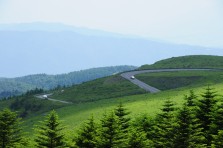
point(57, 48)
point(19, 85)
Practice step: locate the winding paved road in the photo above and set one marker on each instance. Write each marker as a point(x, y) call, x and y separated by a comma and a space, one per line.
point(148, 88)
point(42, 97)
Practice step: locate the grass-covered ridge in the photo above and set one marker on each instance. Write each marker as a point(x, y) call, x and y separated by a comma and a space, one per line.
point(193, 61)
point(173, 80)
point(104, 88)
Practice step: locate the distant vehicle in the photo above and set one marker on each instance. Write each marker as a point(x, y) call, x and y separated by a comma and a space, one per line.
point(132, 77)
point(45, 96)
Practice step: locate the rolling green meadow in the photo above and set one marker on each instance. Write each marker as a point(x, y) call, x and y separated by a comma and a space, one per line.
point(73, 116)
point(101, 96)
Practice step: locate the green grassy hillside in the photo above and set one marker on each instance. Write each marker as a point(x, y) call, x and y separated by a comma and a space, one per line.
point(74, 116)
point(17, 86)
point(102, 95)
point(99, 89)
point(194, 61)
point(104, 88)
point(172, 80)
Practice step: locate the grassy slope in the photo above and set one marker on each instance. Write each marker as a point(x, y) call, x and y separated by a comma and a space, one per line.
point(32, 105)
point(172, 80)
point(194, 61)
point(73, 116)
point(104, 88)
point(104, 94)
point(19, 85)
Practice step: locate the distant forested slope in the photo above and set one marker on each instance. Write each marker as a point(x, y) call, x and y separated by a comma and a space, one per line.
point(17, 86)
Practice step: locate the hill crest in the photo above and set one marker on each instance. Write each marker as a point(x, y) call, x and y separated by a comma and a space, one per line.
point(190, 61)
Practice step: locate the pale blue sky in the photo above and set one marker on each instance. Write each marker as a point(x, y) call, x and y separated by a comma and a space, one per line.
point(197, 22)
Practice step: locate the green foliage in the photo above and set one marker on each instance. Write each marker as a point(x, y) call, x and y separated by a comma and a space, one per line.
point(28, 105)
point(10, 129)
point(138, 140)
point(205, 110)
point(124, 123)
point(179, 79)
point(87, 136)
point(189, 131)
point(218, 142)
point(104, 88)
point(193, 61)
point(109, 134)
point(183, 128)
point(145, 124)
point(50, 132)
point(172, 127)
point(165, 126)
point(18, 86)
point(196, 136)
point(10, 87)
point(217, 119)
point(34, 91)
point(191, 100)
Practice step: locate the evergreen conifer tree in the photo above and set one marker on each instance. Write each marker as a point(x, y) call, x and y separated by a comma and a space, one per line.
point(205, 111)
point(123, 122)
point(218, 140)
point(217, 119)
point(109, 133)
point(164, 130)
point(189, 133)
point(10, 129)
point(138, 140)
point(146, 124)
point(87, 137)
point(190, 100)
point(183, 128)
point(196, 136)
point(50, 132)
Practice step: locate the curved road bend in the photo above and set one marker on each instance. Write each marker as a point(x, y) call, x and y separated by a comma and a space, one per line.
point(42, 97)
point(148, 88)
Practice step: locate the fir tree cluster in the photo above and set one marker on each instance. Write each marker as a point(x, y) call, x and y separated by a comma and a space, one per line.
point(198, 123)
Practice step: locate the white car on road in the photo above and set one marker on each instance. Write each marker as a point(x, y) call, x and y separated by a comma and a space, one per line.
point(45, 96)
point(132, 77)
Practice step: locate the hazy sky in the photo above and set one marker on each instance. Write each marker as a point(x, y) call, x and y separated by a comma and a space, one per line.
point(197, 22)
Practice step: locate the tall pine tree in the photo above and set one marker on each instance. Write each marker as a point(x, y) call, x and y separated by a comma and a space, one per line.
point(138, 140)
point(146, 124)
point(10, 129)
point(123, 122)
point(217, 119)
point(87, 136)
point(109, 134)
point(50, 132)
point(189, 133)
point(165, 126)
point(183, 128)
point(191, 99)
point(205, 111)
